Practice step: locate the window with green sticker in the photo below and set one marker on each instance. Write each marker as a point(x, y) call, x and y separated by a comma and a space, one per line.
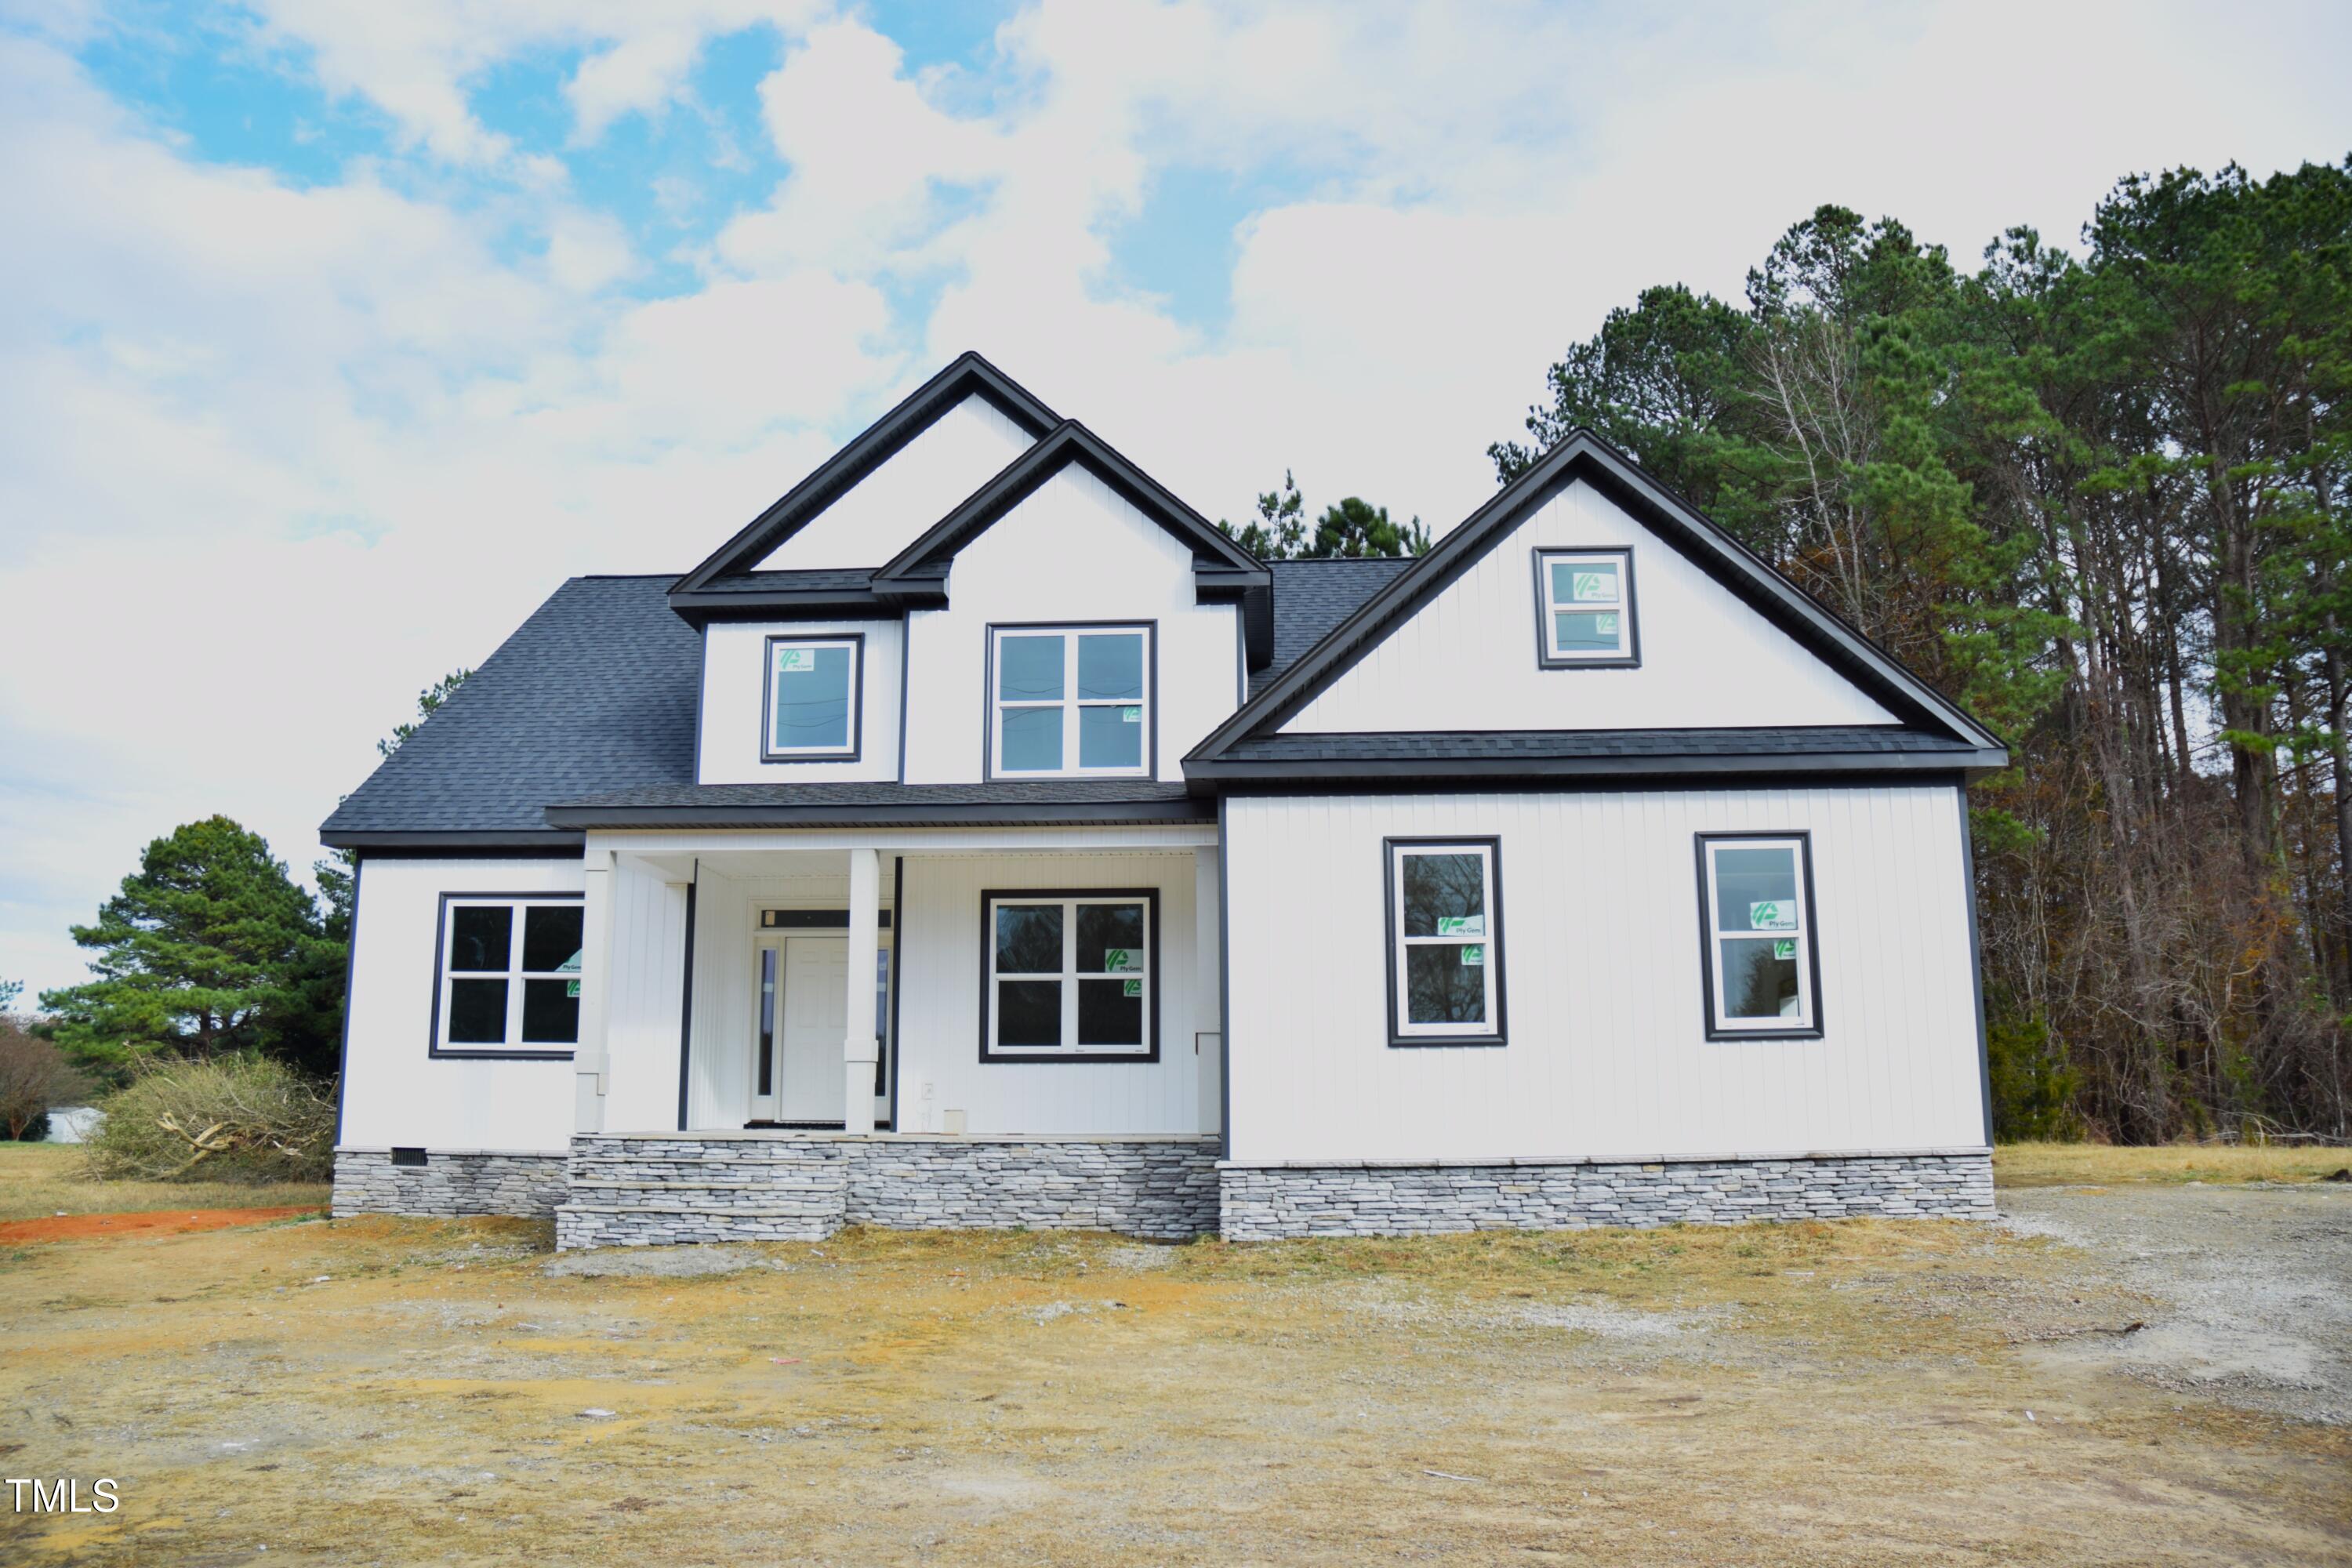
point(1584, 608)
point(1444, 943)
point(1067, 701)
point(1759, 953)
point(1069, 976)
point(813, 687)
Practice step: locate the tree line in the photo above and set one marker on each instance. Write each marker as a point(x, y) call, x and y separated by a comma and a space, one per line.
point(2102, 501)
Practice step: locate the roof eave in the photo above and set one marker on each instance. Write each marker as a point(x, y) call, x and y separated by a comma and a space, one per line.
point(1213, 773)
point(1043, 814)
point(431, 841)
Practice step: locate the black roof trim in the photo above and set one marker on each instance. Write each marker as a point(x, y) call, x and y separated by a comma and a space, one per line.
point(1221, 569)
point(1584, 456)
point(1005, 813)
point(968, 376)
point(1222, 772)
point(550, 841)
point(846, 804)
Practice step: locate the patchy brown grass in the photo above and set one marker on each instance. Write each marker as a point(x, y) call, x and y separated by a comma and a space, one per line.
point(2098, 1165)
point(408, 1390)
point(39, 1181)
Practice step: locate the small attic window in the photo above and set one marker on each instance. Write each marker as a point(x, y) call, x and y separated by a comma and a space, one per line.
point(1585, 610)
point(811, 706)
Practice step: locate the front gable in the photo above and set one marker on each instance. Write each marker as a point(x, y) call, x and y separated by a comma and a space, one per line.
point(1705, 659)
point(1474, 656)
point(817, 546)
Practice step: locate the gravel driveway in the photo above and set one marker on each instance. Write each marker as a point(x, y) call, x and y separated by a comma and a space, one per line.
point(2252, 1287)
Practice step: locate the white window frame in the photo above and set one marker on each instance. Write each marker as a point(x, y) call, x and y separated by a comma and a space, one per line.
point(1806, 1022)
point(1627, 654)
point(1402, 1030)
point(855, 644)
point(1069, 975)
point(1070, 703)
point(446, 975)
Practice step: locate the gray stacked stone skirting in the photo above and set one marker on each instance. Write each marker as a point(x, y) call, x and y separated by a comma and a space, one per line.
point(1163, 1188)
point(651, 1190)
point(451, 1182)
point(661, 1190)
point(1265, 1202)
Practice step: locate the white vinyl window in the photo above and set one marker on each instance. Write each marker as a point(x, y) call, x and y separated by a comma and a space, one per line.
point(1586, 601)
point(813, 685)
point(1069, 974)
point(509, 974)
point(1070, 701)
point(1760, 960)
point(1445, 933)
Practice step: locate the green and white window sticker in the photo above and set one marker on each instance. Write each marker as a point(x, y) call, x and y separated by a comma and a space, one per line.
point(797, 661)
point(1121, 961)
point(1461, 925)
point(1134, 988)
point(1474, 955)
point(1585, 586)
point(1772, 914)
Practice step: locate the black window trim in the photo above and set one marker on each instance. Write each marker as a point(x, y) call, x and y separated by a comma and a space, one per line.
point(1391, 940)
point(988, 772)
point(435, 1050)
point(1803, 838)
point(1545, 657)
point(1150, 897)
point(769, 755)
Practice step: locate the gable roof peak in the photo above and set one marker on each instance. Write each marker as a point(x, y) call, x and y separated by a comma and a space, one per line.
point(1582, 455)
point(969, 375)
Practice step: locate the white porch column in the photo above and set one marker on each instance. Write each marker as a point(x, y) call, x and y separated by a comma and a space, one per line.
point(1208, 989)
point(591, 1067)
point(859, 1049)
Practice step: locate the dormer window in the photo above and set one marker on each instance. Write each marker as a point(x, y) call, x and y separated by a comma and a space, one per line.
point(1068, 702)
point(1584, 605)
point(813, 698)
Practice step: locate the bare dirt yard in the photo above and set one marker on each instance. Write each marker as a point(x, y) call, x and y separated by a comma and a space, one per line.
point(405, 1392)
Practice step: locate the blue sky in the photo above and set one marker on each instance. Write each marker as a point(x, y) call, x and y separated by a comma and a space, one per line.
point(339, 334)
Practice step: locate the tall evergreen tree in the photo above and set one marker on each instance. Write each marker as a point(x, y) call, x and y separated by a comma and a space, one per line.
point(208, 947)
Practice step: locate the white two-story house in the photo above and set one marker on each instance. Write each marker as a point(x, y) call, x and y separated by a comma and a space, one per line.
point(981, 837)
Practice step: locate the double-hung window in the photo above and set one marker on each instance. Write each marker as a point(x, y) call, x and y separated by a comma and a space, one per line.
point(1584, 609)
point(1070, 701)
point(812, 707)
point(1756, 913)
point(1445, 942)
point(509, 974)
point(1070, 976)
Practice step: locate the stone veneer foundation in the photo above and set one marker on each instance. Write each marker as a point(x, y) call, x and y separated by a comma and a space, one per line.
point(1265, 1202)
point(659, 1189)
point(451, 1181)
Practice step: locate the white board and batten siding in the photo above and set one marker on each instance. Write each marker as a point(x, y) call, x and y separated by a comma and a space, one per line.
point(922, 482)
point(1467, 659)
point(938, 1021)
point(1073, 550)
point(395, 1090)
point(735, 694)
point(1607, 1053)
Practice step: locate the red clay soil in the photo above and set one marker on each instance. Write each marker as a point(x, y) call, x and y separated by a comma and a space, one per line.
point(162, 1222)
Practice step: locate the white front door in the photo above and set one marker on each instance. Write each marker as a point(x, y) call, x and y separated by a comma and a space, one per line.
point(811, 1073)
point(798, 1024)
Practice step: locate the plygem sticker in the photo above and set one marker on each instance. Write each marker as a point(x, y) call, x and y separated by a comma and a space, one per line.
point(1120, 961)
point(797, 661)
point(1772, 914)
point(1474, 955)
point(1134, 988)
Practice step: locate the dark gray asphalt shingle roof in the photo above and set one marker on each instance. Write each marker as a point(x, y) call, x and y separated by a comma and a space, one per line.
point(596, 691)
point(1310, 597)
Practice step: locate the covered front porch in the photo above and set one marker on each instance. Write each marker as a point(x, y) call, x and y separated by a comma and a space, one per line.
point(1027, 1017)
